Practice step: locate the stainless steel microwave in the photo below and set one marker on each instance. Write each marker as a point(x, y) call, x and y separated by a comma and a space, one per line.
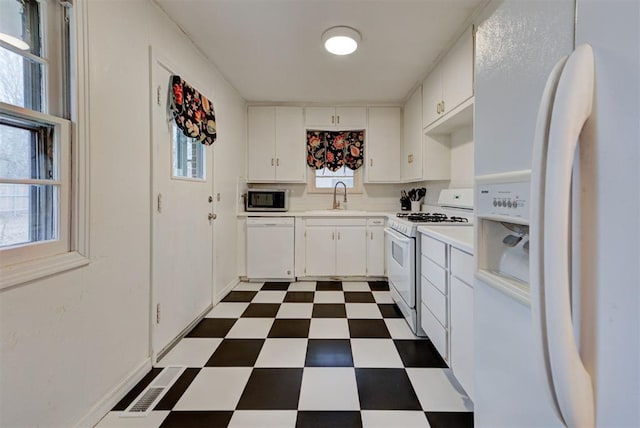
point(267, 200)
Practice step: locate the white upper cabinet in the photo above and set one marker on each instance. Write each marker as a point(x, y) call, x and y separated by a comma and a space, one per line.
point(411, 159)
point(276, 144)
point(335, 117)
point(451, 81)
point(383, 145)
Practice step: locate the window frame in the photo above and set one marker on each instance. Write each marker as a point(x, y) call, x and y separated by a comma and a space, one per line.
point(68, 22)
point(356, 189)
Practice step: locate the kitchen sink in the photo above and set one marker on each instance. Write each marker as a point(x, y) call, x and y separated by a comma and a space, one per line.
point(335, 212)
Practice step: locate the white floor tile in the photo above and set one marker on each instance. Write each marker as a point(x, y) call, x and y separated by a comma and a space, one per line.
point(215, 389)
point(113, 420)
point(438, 391)
point(332, 388)
point(329, 328)
point(302, 286)
point(269, 297)
point(282, 353)
point(382, 297)
point(355, 286)
point(295, 310)
point(399, 329)
point(328, 297)
point(250, 328)
point(190, 352)
point(263, 419)
point(227, 310)
point(248, 286)
point(379, 353)
point(363, 311)
point(393, 419)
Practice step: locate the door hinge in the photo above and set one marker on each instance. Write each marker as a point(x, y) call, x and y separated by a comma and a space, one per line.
point(158, 313)
point(158, 95)
point(159, 205)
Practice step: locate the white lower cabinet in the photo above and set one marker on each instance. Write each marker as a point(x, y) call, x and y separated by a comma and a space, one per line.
point(446, 274)
point(375, 247)
point(335, 247)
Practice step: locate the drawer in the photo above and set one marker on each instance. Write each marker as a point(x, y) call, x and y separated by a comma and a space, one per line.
point(435, 331)
point(434, 300)
point(462, 265)
point(435, 274)
point(434, 249)
point(375, 221)
point(320, 221)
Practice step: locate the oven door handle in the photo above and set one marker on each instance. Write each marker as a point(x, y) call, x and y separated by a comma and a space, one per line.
point(396, 236)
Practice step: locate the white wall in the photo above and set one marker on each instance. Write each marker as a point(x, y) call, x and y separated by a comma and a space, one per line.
point(462, 157)
point(68, 340)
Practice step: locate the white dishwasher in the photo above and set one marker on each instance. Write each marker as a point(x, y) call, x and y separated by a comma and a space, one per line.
point(270, 248)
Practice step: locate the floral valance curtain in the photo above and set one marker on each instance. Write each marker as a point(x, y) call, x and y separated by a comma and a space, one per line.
point(335, 149)
point(192, 112)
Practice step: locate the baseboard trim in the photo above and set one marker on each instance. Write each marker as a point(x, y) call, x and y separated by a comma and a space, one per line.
point(230, 286)
point(106, 403)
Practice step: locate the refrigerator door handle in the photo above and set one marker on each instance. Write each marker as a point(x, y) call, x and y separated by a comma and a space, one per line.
point(572, 107)
point(536, 257)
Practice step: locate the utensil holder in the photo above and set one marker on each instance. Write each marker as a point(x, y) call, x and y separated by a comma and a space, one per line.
point(415, 206)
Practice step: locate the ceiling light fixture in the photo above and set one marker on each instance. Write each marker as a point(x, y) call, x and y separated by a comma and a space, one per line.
point(341, 40)
point(14, 41)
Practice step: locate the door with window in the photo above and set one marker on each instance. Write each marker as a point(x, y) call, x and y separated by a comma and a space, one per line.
point(182, 183)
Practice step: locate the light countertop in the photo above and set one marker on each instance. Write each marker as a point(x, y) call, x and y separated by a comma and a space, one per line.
point(317, 213)
point(460, 237)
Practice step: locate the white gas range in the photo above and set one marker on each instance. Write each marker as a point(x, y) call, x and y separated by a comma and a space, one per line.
point(455, 208)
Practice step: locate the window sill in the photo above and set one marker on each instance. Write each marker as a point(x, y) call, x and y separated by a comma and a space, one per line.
point(21, 273)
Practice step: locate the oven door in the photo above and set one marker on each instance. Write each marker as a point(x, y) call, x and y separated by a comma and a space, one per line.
point(400, 255)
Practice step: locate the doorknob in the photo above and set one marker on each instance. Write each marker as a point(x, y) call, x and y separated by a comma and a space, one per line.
point(212, 216)
point(210, 199)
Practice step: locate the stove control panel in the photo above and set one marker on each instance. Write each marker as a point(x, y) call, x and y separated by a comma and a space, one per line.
point(504, 199)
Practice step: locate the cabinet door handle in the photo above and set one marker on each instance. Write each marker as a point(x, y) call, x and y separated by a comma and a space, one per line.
point(333, 236)
point(371, 162)
point(442, 106)
point(372, 235)
point(338, 119)
point(333, 119)
point(438, 108)
point(338, 236)
point(277, 161)
point(271, 161)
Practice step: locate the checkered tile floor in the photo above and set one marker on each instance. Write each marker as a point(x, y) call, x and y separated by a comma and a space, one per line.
point(305, 354)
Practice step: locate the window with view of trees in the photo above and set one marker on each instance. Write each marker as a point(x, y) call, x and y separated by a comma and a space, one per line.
point(34, 133)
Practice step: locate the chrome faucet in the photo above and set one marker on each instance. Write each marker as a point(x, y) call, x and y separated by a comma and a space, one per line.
point(336, 203)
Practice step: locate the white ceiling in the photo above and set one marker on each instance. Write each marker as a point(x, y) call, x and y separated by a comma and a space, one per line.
point(270, 50)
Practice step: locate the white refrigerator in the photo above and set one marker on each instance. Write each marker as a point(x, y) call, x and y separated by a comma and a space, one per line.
point(535, 366)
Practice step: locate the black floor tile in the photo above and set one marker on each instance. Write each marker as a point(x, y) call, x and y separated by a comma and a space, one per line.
point(299, 297)
point(290, 328)
point(386, 389)
point(358, 297)
point(450, 419)
point(317, 419)
point(368, 329)
point(264, 310)
point(329, 353)
point(136, 390)
point(329, 286)
point(177, 389)
point(187, 419)
point(419, 353)
point(240, 296)
point(275, 286)
point(329, 310)
point(390, 310)
point(236, 353)
point(272, 389)
point(379, 285)
point(212, 327)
